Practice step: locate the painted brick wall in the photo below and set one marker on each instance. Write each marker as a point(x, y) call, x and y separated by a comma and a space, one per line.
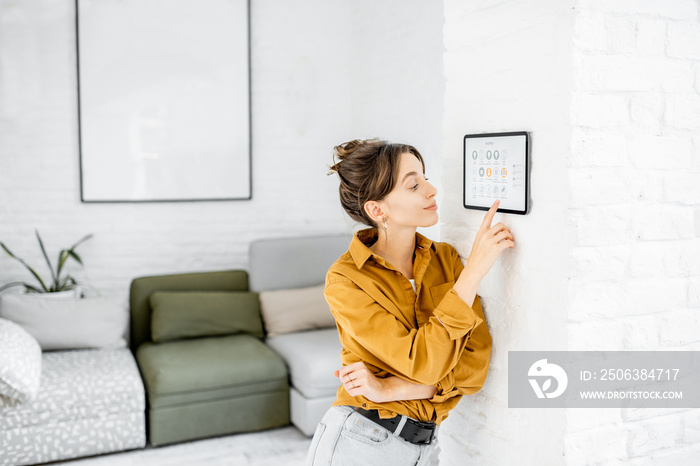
point(634, 175)
point(608, 259)
point(304, 83)
point(508, 68)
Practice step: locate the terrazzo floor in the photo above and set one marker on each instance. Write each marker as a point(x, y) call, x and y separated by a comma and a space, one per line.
point(277, 447)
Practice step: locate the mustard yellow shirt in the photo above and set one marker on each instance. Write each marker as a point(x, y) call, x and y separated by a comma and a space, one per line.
point(429, 336)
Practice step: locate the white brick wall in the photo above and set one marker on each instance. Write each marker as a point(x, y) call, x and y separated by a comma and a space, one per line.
point(307, 73)
point(508, 67)
point(628, 241)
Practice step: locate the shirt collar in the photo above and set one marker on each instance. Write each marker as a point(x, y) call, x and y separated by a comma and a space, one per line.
point(360, 252)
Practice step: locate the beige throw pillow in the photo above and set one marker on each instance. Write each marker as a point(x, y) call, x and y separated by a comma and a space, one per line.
point(293, 310)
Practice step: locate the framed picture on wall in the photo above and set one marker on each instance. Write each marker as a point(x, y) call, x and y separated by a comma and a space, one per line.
point(164, 100)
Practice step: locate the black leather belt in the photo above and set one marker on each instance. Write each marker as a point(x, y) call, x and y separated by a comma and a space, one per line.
point(413, 431)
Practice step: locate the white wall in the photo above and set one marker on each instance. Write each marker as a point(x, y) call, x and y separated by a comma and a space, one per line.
point(305, 79)
point(634, 174)
point(398, 78)
point(609, 258)
point(507, 68)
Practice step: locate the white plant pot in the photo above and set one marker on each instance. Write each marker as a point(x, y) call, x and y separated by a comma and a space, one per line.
point(68, 294)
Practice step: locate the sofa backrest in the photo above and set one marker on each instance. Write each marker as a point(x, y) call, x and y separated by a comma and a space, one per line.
point(283, 263)
point(141, 289)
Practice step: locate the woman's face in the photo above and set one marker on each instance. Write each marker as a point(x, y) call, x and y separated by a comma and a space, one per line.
point(412, 201)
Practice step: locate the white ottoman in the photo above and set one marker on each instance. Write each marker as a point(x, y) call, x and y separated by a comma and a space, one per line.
point(311, 357)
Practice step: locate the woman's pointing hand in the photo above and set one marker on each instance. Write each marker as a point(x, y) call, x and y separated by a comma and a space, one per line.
point(490, 242)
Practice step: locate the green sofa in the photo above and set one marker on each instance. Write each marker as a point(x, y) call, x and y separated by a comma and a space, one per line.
point(203, 386)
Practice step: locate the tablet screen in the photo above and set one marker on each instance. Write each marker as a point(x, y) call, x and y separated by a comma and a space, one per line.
point(496, 167)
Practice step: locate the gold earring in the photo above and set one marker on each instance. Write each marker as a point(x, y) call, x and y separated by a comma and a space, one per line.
point(384, 224)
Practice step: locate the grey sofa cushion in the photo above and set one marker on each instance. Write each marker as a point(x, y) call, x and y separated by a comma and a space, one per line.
point(312, 357)
point(63, 324)
point(293, 262)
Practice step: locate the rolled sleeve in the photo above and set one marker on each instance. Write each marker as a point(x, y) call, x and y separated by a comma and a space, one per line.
point(458, 318)
point(445, 389)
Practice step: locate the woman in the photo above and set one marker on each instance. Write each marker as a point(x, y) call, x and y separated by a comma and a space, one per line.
point(411, 325)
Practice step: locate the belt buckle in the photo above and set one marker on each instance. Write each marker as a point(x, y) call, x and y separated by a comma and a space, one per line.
point(431, 437)
point(428, 426)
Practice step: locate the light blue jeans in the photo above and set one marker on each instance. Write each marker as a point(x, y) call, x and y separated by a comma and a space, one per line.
point(345, 437)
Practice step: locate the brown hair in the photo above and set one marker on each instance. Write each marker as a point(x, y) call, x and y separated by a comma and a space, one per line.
point(368, 171)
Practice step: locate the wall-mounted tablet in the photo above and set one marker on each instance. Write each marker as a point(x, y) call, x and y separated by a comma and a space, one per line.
point(497, 166)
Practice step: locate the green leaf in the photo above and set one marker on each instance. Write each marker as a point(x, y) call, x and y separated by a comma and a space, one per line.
point(46, 256)
point(10, 285)
point(58, 283)
point(36, 275)
point(68, 283)
point(34, 289)
point(2, 245)
point(66, 253)
point(75, 256)
point(61, 284)
point(84, 238)
point(62, 257)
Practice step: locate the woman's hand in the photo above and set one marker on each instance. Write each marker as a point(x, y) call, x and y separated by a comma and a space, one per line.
point(490, 242)
point(359, 381)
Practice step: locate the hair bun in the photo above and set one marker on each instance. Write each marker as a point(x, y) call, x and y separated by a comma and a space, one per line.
point(341, 151)
point(347, 148)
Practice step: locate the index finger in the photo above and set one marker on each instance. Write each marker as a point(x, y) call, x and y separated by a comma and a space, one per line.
point(488, 218)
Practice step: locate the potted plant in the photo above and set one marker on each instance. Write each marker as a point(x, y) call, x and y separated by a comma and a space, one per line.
point(59, 283)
